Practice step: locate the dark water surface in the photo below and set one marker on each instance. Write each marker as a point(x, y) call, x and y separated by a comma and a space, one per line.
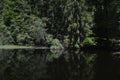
point(59, 65)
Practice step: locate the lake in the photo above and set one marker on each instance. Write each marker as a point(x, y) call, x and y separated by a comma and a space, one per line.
point(35, 64)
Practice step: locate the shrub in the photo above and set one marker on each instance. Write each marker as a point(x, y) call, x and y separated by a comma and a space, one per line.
point(54, 43)
point(89, 41)
point(37, 30)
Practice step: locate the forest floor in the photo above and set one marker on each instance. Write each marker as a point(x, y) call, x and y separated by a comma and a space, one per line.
point(21, 47)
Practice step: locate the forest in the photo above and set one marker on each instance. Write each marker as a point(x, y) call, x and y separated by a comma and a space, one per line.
point(60, 24)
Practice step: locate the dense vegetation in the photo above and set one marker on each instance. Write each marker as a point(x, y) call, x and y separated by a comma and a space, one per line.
point(60, 23)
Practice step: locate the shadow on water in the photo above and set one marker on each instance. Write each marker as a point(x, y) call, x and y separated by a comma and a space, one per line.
point(58, 65)
point(107, 66)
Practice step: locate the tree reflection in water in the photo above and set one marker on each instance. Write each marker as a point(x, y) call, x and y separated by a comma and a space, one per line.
point(57, 65)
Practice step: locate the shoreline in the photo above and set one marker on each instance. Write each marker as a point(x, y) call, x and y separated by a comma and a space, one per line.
point(21, 47)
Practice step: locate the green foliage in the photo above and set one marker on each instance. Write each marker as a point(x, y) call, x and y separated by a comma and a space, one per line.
point(36, 29)
point(78, 20)
point(23, 39)
point(89, 41)
point(30, 22)
point(5, 36)
point(55, 43)
point(13, 17)
point(49, 38)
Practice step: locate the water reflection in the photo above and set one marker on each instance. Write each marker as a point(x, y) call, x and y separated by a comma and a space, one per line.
point(58, 65)
point(107, 66)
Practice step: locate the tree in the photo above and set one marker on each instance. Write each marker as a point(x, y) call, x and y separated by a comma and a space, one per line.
point(106, 21)
point(78, 20)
